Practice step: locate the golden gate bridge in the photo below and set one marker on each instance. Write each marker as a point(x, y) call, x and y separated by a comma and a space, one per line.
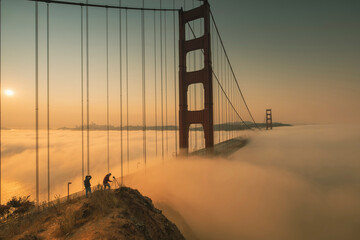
point(185, 74)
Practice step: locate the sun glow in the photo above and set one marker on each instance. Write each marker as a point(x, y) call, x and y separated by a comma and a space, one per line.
point(9, 92)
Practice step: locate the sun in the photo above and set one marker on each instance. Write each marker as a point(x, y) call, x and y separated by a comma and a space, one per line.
point(9, 92)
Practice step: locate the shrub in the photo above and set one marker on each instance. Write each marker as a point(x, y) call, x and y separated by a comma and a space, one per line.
point(4, 210)
point(21, 204)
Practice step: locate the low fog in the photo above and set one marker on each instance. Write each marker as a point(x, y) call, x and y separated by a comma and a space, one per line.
point(297, 182)
point(289, 183)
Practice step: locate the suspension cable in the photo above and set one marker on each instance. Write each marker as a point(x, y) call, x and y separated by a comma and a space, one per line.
point(143, 81)
point(107, 92)
point(82, 95)
point(87, 91)
point(37, 99)
point(127, 92)
point(106, 6)
point(155, 78)
point(0, 105)
point(166, 87)
point(48, 98)
point(195, 105)
point(175, 113)
point(222, 86)
point(201, 88)
point(121, 103)
point(219, 106)
point(233, 73)
point(162, 95)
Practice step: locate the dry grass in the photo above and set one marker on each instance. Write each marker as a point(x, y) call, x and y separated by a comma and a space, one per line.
point(103, 200)
point(70, 214)
point(69, 221)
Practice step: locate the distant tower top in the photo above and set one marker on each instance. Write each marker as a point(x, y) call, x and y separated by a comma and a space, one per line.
point(268, 119)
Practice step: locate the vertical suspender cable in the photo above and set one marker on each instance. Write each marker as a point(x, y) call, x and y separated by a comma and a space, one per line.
point(166, 80)
point(195, 133)
point(82, 95)
point(229, 111)
point(87, 91)
point(218, 72)
point(155, 67)
point(37, 99)
point(227, 102)
point(221, 104)
point(143, 80)
point(127, 91)
point(233, 115)
point(0, 106)
point(162, 95)
point(121, 103)
point(175, 114)
point(202, 104)
point(212, 69)
point(48, 98)
point(107, 92)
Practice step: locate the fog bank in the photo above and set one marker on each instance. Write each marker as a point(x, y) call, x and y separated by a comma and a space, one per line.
point(289, 183)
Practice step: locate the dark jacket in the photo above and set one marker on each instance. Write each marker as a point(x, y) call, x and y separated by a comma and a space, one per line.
point(106, 179)
point(87, 181)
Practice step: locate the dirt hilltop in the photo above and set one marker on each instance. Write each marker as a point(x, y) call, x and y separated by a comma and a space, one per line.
point(120, 214)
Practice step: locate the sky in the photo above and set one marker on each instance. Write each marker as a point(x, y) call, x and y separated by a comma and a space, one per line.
point(299, 58)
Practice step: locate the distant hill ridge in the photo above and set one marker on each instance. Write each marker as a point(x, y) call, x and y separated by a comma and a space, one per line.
point(217, 127)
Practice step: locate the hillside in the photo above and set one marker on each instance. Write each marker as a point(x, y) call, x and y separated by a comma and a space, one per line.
point(120, 214)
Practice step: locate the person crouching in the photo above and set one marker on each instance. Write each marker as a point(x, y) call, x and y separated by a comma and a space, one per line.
point(107, 180)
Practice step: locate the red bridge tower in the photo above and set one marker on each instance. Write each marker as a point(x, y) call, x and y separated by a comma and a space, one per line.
point(204, 76)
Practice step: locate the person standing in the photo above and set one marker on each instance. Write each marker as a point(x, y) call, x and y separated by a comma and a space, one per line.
point(87, 185)
point(107, 180)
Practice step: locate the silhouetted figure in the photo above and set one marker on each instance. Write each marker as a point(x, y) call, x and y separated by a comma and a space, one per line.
point(107, 180)
point(87, 184)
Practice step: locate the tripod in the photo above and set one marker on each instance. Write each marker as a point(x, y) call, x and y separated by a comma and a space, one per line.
point(116, 182)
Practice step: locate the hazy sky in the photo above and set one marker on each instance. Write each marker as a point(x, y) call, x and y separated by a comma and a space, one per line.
point(300, 58)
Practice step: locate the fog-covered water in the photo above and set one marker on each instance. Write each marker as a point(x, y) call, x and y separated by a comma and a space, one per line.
point(290, 183)
point(19, 161)
point(298, 182)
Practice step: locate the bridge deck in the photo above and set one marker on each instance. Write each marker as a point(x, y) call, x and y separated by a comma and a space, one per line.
point(225, 148)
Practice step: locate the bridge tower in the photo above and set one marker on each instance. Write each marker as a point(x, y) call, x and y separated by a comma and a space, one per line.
point(204, 76)
point(268, 119)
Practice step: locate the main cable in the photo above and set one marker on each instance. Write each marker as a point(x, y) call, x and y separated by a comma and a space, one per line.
point(237, 83)
point(105, 6)
point(222, 86)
